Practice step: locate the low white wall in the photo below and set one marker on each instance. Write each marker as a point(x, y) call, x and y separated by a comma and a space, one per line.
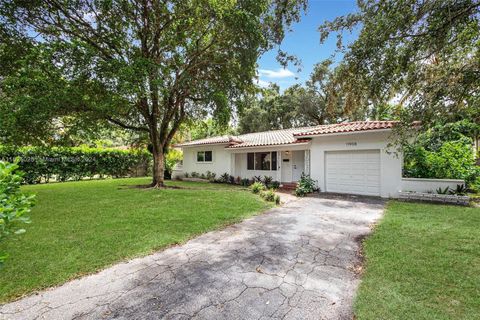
point(428, 185)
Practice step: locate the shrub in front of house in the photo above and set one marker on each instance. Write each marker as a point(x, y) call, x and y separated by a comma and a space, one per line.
point(210, 176)
point(245, 182)
point(195, 174)
point(305, 186)
point(274, 185)
point(268, 195)
point(256, 187)
point(267, 180)
point(224, 178)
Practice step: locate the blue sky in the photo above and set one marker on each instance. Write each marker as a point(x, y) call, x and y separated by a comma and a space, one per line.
point(304, 42)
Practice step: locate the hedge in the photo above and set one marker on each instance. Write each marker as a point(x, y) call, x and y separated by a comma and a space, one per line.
point(62, 164)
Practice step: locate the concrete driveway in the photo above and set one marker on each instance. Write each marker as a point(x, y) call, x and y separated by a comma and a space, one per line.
point(293, 262)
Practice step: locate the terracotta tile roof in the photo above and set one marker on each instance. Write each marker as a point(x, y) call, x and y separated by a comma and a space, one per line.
point(347, 127)
point(212, 140)
point(269, 138)
point(289, 136)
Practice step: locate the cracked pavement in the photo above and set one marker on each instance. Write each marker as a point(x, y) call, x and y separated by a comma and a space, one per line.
point(293, 262)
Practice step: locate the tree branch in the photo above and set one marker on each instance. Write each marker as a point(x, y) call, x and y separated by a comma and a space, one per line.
point(126, 126)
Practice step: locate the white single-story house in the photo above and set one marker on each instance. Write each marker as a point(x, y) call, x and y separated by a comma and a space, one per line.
point(352, 158)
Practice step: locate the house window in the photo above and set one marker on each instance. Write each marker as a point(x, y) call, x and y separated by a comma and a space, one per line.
point(274, 161)
point(250, 161)
point(262, 161)
point(204, 156)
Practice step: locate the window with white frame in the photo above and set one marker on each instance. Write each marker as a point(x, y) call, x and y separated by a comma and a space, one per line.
point(204, 156)
point(265, 161)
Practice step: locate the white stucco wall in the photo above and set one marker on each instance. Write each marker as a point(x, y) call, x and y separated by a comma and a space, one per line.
point(428, 185)
point(234, 161)
point(221, 160)
point(390, 163)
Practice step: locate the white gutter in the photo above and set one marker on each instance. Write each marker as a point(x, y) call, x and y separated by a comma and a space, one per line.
point(341, 133)
point(285, 146)
point(201, 144)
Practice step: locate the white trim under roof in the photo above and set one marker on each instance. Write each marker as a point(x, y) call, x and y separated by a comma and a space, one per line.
point(279, 147)
point(341, 133)
point(203, 145)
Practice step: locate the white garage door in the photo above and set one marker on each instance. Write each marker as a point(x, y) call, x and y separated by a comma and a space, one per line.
point(355, 172)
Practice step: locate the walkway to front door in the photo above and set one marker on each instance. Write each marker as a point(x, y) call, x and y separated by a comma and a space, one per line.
point(293, 262)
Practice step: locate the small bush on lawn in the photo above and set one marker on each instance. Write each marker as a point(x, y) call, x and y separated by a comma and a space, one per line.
point(274, 185)
point(195, 174)
point(267, 180)
point(277, 199)
point(305, 186)
point(245, 182)
point(256, 187)
point(14, 205)
point(210, 176)
point(224, 178)
point(268, 195)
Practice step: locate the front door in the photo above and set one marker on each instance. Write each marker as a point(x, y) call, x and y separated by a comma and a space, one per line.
point(286, 166)
point(298, 164)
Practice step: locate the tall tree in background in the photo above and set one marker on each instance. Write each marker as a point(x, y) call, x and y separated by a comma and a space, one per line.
point(424, 54)
point(321, 101)
point(267, 110)
point(297, 106)
point(144, 65)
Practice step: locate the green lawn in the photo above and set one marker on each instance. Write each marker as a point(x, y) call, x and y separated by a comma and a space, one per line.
point(422, 262)
point(81, 227)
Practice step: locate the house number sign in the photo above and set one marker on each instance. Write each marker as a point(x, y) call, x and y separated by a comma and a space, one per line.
point(351, 144)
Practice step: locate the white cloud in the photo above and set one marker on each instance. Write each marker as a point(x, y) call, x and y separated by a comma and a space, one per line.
point(262, 83)
point(276, 74)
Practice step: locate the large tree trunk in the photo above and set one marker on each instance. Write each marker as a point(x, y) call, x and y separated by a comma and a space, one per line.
point(158, 169)
point(158, 159)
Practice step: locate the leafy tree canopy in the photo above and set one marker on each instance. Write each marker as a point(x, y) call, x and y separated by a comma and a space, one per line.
point(317, 102)
point(424, 54)
point(143, 65)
